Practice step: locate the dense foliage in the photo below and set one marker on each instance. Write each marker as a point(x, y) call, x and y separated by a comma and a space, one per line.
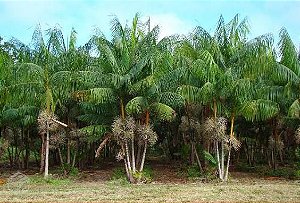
point(218, 97)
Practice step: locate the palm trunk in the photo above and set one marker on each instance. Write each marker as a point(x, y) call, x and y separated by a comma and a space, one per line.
point(222, 159)
point(102, 144)
point(127, 157)
point(147, 118)
point(60, 157)
point(10, 157)
point(225, 176)
point(220, 165)
point(133, 156)
point(27, 151)
point(227, 167)
point(218, 159)
point(232, 125)
point(75, 154)
point(215, 109)
point(122, 109)
point(198, 160)
point(43, 147)
point(192, 156)
point(145, 146)
point(126, 168)
point(138, 157)
point(68, 151)
point(129, 175)
point(47, 153)
point(143, 158)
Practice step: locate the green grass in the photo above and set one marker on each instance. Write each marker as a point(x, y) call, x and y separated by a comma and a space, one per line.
point(39, 180)
point(236, 190)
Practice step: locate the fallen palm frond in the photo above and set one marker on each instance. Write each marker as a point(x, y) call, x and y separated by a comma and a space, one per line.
point(106, 139)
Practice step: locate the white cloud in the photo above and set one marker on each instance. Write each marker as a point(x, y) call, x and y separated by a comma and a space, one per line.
point(170, 24)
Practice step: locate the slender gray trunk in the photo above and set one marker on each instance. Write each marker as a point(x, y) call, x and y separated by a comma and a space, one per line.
point(143, 157)
point(127, 157)
point(127, 171)
point(133, 156)
point(47, 153)
point(192, 153)
point(75, 154)
point(227, 167)
point(222, 159)
point(42, 163)
point(138, 157)
point(198, 160)
point(60, 157)
point(218, 159)
point(68, 151)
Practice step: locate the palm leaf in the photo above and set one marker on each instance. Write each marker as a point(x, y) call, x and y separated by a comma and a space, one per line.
point(288, 52)
point(189, 93)
point(171, 99)
point(102, 95)
point(294, 110)
point(283, 74)
point(162, 111)
point(259, 110)
point(94, 132)
point(136, 106)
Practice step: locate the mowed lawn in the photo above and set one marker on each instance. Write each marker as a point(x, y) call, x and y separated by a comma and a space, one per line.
point(236, 190)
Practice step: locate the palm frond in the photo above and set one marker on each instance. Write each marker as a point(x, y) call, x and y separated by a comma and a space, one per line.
point(9, 114)
point(117, 29)
point(137, 106)
point(288, 52)
point(294, 110)
point(94, 132)
point(259, 110)
point(171, 99)
point(56, 43)
point(102, 95)
point(163, 111)
point(109, 55)
point(29, 72)
point(141, 86)
point(283, 74)
point(73, 39)
point(189, 93)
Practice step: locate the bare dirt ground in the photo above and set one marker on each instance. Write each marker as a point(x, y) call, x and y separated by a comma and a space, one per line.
point(95, 185)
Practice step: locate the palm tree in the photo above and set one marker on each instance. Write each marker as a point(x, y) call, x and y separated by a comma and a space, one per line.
point(130, 62)
point(242, 78)
point(122, 62)
point(286, 76)
point(220, 71)
point(43, 77)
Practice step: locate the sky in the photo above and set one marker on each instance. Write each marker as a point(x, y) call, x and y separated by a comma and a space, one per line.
point(19, 18)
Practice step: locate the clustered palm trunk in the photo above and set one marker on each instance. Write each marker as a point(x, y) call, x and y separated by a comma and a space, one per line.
point(192, 133)
point(47, 122)
point(216, 130)
point(132, 137)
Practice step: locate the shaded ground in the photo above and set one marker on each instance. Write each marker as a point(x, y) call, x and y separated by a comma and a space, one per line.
point(163, 173)
point(168, 186)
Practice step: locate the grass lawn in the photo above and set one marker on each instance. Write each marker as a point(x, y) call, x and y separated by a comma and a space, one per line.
point(95, 185)
point(236, 190)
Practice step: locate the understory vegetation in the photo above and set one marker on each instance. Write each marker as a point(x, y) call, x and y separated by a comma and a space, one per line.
point(214, 102)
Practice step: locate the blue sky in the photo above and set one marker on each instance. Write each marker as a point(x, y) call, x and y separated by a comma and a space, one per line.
point(18, 18)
